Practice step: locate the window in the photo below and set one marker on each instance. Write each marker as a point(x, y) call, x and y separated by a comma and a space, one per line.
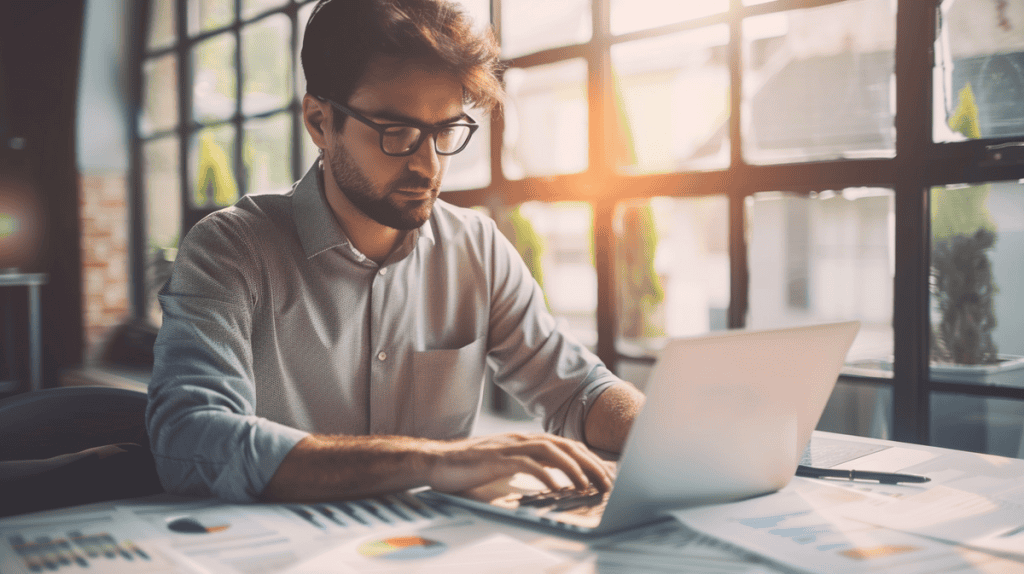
point(667, 169)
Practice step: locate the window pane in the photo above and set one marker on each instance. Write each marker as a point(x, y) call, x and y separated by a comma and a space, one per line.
point(673, 102)
point(632, 15)
point(310, 152)
point(214, 79)
point(252, 8)
point(533, 25)
point(977, 424)
point(859, 408)
point(825, 258)
point(213, 167)
point(546, 120)
point(267, 151)
point(471, 168)
point(209, 14)
point(160, 95)
point(266, 55)
point(977, 284)
point(672, 269)
point(819, 83)
point(300, 78)
point(161, 184)
point(556, 242)
point(161, 24)
point(979, 70)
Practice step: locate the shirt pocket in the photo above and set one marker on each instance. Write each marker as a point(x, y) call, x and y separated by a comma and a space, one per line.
point(447, 388)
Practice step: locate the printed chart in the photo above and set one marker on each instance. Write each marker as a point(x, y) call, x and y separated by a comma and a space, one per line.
point(52, 548)
point(402, 548)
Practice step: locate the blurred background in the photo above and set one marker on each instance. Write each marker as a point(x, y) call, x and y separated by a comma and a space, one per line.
point(666, 168)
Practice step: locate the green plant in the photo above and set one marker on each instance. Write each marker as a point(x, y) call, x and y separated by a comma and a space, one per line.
point(963, 288)
point(639, 286)
point(962, 285)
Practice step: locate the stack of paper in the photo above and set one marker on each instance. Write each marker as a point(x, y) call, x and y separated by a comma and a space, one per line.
point(968, 518)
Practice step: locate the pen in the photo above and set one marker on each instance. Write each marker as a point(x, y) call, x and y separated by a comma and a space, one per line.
point(882, 477)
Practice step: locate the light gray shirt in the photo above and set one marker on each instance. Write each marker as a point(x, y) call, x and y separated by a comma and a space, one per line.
point(275, 326)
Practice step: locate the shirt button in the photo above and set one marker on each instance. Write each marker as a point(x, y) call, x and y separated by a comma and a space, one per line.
point(382, 355)
point(384, 271)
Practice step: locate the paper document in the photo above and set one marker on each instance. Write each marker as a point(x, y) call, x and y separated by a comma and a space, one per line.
point(671, 546)
point(800, 526)
point(972, 499)
point(102, 541)
point(261, 538)
point(165, 533)
point(457, 547)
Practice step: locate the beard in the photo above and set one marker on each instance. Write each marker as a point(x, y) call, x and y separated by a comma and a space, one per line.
point(385, 204)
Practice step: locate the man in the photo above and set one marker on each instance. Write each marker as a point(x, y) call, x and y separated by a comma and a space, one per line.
point(331, 342)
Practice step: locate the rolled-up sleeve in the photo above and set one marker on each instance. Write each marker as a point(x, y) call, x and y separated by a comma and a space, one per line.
point(547, 369)
point(204, 432)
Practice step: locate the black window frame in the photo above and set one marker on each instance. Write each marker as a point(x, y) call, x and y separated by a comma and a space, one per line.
point(917, 165)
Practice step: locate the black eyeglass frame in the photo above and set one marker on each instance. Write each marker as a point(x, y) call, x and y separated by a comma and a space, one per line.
point(425, 130)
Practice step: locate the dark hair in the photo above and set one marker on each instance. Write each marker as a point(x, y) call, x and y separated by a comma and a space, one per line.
point(342, 36)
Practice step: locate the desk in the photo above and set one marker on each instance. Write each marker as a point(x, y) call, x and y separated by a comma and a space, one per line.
point(173, 534)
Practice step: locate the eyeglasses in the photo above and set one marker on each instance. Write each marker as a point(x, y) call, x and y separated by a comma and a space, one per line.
point(404, 139)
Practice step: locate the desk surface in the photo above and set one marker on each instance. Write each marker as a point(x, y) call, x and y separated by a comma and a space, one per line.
point(811, 526)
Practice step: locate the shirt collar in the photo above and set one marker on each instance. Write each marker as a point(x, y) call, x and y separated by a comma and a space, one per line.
point(319, 230)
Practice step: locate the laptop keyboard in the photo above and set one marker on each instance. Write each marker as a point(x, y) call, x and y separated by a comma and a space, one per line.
point(828, 453)
point(581, 502)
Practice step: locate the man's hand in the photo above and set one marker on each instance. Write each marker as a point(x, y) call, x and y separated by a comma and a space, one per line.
point(463, 464)
point(322, 467)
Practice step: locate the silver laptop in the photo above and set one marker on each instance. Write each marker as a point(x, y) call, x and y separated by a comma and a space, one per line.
point(728, 416)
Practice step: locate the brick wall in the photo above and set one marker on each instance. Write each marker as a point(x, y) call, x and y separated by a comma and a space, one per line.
point(104, 220)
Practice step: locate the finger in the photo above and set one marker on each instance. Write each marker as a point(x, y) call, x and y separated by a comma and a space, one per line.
point(591, 464)
point(551, 454)
point(520, 463)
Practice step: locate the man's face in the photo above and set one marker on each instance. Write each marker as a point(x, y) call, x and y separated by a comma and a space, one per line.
point(397, 192)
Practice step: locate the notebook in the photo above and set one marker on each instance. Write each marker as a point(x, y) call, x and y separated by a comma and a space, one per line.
point(728, 416)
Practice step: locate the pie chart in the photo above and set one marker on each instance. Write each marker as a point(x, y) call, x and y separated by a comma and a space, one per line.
point(190, 525)
point(402, 548)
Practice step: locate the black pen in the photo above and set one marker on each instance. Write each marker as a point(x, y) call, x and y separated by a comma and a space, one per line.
point(882, 477)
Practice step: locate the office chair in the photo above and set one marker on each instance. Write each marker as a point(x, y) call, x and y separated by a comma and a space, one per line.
point(73, 445)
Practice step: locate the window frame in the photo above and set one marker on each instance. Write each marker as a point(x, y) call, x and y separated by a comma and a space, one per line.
point(917, 165)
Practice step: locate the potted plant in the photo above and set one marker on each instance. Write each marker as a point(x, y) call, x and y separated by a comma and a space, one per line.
point(961, 282)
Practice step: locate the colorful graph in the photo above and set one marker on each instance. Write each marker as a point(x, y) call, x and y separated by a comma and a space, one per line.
point(821, 535)
point(402, 548)
point(190, 525)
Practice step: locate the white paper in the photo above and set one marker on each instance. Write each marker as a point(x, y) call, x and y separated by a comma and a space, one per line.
point(799, 527)
point(269, 538)
point(109, 541)
point(460, 547)
point(671, 546)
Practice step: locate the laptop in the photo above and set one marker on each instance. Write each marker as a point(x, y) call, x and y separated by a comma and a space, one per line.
point(728, 416)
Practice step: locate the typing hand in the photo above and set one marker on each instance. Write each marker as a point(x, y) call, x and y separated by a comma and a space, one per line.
point(464, 464)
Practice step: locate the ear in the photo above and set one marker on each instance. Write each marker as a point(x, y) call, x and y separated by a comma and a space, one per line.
point(316, 114)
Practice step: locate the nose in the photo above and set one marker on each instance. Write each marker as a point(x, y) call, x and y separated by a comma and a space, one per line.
point(426, 161)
